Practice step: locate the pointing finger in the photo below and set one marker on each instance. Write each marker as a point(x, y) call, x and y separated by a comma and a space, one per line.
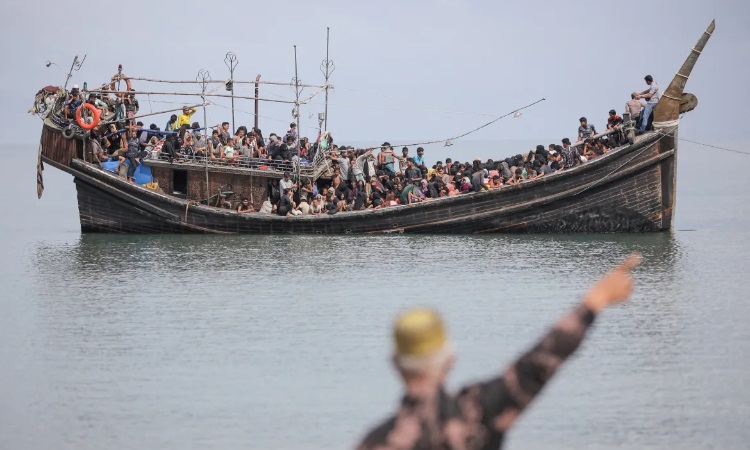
point(630, 262)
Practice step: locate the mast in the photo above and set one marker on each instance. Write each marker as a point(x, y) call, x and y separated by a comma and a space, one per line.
point(231, 62)
point(327, 67)
point(668, 108)
point(257, 82)
point(296, 111)
point(203, 77)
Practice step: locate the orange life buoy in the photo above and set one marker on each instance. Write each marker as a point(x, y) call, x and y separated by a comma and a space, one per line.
point(95, 112)
point(119, 76)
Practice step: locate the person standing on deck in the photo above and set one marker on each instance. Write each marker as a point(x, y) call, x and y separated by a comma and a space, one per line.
point(634, 108)
point(133, 148)
point(386, 158)
point(184, 118)
point(651, 95)
point(480, 415)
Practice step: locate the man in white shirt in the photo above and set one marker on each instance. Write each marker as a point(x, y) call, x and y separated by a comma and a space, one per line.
point(287, 183)
point(651, 95)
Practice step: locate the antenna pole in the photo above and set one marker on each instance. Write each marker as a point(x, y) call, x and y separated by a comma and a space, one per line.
point(327, 67)
point(75, 67)
point(203, 77)
point(297, 113)
point(231, 62)
point(257, 81)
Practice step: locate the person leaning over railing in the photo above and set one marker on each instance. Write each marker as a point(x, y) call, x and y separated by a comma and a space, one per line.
point(482, 413)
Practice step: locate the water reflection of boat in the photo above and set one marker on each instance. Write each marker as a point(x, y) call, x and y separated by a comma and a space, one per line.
point(629, 189)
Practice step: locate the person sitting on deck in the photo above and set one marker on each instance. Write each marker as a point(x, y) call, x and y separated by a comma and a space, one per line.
point(291, 153)
point(377, 195)
point(215, 149)
point(291, 133)
point(72, 103)
point(303, 207)
point(98, 149)
point(169, 149)
point(239, 136)
point(171, 123)
point(224, 134)
point(412, 173)
point(287, 183)
point(188, 143)
point(274, 147)
point(556, 158)
point(402, 160)
point(98, 104)
point(651, 95)
point(614, 122)
point(585, 130)
point(229, 153)
point(200, 144)
point(286, 205)
point(570, 155)
point(407, 195)
point(316, 208)
point(245, 206)
point(184, 118)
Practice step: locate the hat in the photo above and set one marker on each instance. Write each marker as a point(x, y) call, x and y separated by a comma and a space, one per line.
point(75, 87)
point(419, 332)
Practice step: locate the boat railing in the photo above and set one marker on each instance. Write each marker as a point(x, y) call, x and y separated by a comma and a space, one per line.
point(313, 170)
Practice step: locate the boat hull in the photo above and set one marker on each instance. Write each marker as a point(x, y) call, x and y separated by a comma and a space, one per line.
point(627, 190)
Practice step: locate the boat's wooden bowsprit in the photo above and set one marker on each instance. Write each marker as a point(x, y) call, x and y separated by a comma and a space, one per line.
point(629, 189)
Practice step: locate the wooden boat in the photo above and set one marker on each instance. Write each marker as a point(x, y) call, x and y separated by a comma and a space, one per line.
point(629, 189)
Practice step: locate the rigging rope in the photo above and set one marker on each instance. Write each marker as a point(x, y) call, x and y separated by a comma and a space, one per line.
point(711, 146)
point(466, 133)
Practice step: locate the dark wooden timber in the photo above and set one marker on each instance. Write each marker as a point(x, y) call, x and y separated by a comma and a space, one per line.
point(629, 189)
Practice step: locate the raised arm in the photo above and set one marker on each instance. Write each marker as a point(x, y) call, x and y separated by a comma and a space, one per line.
point(504, 398)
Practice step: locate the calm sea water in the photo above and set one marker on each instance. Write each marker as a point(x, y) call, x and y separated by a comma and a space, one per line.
point(283, 341)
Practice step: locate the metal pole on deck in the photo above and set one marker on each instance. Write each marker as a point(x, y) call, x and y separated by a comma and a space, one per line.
point(297, 114)
point(257, 80)
point(204, 77)
point(231, 61)
point(327, 67)
point(75, 67)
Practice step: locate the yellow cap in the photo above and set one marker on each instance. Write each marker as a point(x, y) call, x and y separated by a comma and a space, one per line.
point(419, 332)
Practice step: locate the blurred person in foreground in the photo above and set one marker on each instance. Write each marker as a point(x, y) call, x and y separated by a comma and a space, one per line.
point(480, 415)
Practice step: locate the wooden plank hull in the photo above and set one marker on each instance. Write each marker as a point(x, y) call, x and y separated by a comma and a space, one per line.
point(628, 190)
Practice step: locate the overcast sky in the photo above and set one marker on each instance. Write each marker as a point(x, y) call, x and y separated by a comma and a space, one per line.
point(404, 70)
